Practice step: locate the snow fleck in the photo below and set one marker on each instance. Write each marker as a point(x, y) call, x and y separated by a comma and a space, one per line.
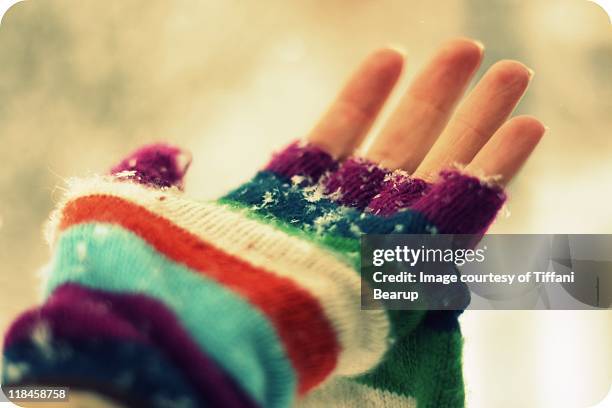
point(125, 174)
point(16, 371)
point(314, 193)
point(268, 198)
point(324, 221)
point(133, 162)
point(41, 336)
point(398, 228)
point(100, 231)
point(397, 176)
point(295, 180)
point(354, 228)
point(81, 250)
point(336, 195)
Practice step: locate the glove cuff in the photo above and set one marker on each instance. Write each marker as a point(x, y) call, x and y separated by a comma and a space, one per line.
point(399, 191)
point(356, 182)
point(461, 203)
point(302, 159)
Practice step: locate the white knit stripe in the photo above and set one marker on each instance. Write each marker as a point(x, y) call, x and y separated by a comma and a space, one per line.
point(363, 334)
point(345, 393)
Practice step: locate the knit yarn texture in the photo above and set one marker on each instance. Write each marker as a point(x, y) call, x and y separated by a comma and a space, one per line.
point(153, 299)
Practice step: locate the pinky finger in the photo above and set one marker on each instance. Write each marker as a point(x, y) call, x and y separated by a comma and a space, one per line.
point(509, 148)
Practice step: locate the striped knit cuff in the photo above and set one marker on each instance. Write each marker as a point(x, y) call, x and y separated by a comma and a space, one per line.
point(302, 299)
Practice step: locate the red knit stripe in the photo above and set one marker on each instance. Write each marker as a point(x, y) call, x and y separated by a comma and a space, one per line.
point(299, 319)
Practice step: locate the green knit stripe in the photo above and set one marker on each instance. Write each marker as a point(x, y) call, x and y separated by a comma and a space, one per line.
point(425, 365)
point(345, 248)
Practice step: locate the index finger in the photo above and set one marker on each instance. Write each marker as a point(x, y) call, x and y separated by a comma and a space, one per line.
point(350, 116)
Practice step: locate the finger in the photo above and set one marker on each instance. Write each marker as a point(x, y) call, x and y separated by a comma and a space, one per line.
point(484, 111)
point(351, 115)
point(508, 149)
point(425, 108)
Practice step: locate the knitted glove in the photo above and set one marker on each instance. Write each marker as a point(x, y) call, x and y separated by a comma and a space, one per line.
point(153, 299)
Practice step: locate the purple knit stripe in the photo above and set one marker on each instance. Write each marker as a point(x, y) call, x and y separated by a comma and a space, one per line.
point(160, 165)
point(302, 159)
point(76, 312)
point(90, 319)
point(356, 182)
point(461, 204)
point(399, 191)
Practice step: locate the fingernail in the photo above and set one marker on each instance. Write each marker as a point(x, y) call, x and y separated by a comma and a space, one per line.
point(397, 48)
point(480, 45)
point(531, 72)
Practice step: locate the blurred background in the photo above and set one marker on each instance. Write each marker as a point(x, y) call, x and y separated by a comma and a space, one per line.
point(82, 83)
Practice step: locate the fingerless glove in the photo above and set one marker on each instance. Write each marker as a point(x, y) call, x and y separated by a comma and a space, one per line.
point(153, 299)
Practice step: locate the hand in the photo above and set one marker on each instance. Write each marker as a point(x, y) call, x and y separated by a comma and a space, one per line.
point(422, 136)
point(260, 290)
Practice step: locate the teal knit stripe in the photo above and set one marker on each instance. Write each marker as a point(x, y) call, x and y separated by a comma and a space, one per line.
point(237, 336)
